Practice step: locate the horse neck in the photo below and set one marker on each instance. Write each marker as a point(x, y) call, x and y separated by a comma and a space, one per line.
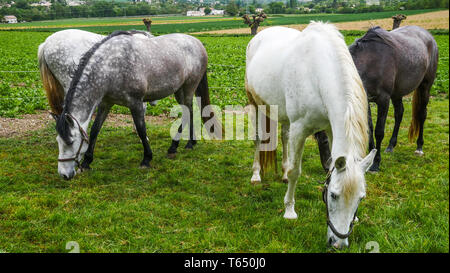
point(83, 104)
point(341, 145)
point(344, 140)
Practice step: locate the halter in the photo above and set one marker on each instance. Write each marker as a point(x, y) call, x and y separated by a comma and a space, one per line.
point(84, 138)
point(326, 183)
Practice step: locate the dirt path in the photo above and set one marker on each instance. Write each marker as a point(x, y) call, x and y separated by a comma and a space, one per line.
point(17, 127)
point(430, 20)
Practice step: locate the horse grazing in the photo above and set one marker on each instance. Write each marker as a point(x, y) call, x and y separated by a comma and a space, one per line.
point(311, 78)
point(59, 56)
point(127, 69)
point(392, 65)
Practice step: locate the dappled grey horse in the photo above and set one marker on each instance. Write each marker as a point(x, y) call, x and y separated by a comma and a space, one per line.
point(392, 65)
point(127, 69)
point(59, 56)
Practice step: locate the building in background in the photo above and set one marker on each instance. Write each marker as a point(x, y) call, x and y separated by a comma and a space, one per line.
point(217, 12)
point(9, 19)
point(42, 4)
point(372, 2)
point(195, 13)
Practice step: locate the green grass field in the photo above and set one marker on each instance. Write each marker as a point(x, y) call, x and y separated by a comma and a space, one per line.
point(203, 200)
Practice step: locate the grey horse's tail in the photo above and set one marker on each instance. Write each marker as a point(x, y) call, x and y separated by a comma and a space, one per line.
point(415, 124)
point(203, 92)
point(53, 88)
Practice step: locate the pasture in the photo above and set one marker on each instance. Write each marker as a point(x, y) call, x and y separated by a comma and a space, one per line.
point(203, 201)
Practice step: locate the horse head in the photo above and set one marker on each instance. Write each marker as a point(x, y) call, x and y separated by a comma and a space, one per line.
point(344, 189)
point(72, 143)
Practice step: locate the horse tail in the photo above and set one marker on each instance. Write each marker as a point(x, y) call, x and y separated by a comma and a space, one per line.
point(202, 91)
point(53, 88)
point(267, 155)
point(414, 127)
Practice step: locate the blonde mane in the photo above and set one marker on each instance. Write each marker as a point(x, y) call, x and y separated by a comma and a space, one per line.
point(356, 120)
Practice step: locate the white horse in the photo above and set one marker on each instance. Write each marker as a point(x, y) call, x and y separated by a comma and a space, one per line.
point(310, 76)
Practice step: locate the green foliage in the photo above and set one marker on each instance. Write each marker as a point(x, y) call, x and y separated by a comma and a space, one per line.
point(232, 9)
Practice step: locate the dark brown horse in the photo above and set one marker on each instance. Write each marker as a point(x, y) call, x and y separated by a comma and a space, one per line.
point(392, 65)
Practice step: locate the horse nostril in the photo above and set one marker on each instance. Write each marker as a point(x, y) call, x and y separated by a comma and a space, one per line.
point(330, 241)
point(65, 177)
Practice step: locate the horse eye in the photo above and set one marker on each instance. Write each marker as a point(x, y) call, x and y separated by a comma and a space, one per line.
point(334, 196)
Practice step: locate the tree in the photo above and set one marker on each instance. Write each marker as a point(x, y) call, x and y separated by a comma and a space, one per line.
point(397, 20)
point(231, 8)
point(276, 7)
point(148, 24)
point(292, 3)
point(207, 10)
point(254, 24)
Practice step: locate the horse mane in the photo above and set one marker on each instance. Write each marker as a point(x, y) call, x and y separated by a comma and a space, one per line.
point(61, 124)
point(377, 35)
point(356, 125)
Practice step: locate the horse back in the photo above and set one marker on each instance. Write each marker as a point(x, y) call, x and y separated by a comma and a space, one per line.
point(417, 57)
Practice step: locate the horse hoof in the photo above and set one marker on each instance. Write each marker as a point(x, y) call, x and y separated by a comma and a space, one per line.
point(419, 153)
point(189, 147)
point(144, 166)
point(256, 179)
point(290, 215)
point(389, 150)
point(171, 156)
point(285, 180)
point(374, 169)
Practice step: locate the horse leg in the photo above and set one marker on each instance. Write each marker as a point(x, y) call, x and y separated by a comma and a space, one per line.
point(424, 95)
point(382, 111)
point(284, 140)
point(138, 114)
point(191, 142)
point(256, 168)
point(102, 113)
point(171, 152)
point(144, 104)
point(371, 142)
point(324, 149)
point(398, 113)
point(296, 145)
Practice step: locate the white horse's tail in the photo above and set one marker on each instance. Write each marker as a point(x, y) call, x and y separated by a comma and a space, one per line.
point(53, 88)
point(268, 155)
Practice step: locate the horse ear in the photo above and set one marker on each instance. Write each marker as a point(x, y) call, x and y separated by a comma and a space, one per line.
point(368, 160)
point(340, 163)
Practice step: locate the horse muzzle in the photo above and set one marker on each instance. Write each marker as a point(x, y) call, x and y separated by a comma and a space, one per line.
point(335, 242)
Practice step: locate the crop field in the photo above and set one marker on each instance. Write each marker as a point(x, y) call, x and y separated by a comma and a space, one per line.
point(428, 20)
point(21, 89)
point(163, 25)
point(203, 201)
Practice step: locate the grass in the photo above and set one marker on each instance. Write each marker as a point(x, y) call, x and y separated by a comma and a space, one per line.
point(203, 200)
